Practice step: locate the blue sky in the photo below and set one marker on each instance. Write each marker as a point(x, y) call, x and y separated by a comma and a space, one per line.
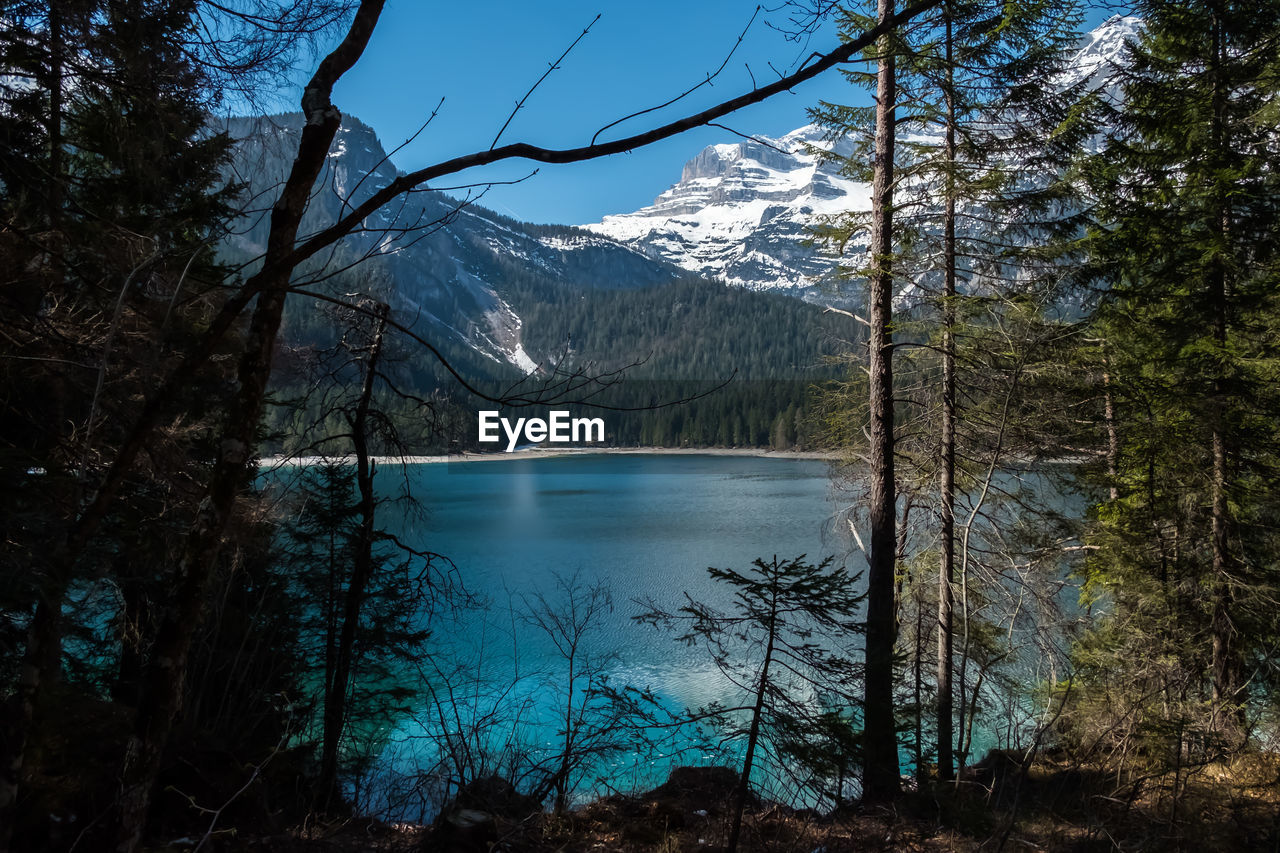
point(483, 56)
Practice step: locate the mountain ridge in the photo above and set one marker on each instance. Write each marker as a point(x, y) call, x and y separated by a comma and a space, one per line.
point(742, 212)
point(444, 259)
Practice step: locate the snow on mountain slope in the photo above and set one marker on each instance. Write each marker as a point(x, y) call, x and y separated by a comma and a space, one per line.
point(1102, 51)
point(742, 211)
point(451, 263)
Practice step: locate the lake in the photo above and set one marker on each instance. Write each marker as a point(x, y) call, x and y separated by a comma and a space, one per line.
point(646, 526)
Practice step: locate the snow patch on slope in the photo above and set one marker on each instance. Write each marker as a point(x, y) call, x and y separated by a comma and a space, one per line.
point(741, 212)
point(521, 359)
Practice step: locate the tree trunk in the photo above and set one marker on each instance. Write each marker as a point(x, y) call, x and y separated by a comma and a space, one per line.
point(880, 778)
point(753, 732)
point(57, 59)
point(917, 689)
point(335, 700)
point(162, 687)
point(947, 468)
point(133, 619)
point(1225, 664)
point(1113, 430)
point(562, 775)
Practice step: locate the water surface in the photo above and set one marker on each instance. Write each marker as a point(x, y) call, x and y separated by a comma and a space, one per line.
point(646, 526)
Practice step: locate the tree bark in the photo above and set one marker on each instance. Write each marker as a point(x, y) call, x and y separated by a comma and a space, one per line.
point(947, 468)
point(880, 780)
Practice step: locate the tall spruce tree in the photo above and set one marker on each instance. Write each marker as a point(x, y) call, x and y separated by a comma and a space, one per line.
point(985, 131)
point(113, 205)
point(880, 751)
point(991, 135)
point(1185, 250)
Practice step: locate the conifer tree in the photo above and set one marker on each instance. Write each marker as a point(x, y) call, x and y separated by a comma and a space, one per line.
point(1185, 254)
point(984, 131)
point(880, 755)
point(113, 212)
point(783, 641)
point(993, 136)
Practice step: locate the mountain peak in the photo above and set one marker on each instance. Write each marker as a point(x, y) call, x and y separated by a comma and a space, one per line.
point(742, 210)
point(1102, 50)
point(452, 262)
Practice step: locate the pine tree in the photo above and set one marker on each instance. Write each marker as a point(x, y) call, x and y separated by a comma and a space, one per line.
point(114, 201)
point(784, 641)
point(993, 137)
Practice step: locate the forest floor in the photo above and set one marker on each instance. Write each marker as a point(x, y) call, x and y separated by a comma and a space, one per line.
point(1000, 806)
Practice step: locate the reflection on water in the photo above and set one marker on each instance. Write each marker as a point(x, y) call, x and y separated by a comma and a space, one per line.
point(647, 527)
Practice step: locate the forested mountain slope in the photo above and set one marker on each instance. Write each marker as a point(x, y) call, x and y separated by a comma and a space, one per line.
point(502, 300)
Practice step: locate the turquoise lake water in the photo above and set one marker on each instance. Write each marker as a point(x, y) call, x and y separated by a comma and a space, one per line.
point(645, 526)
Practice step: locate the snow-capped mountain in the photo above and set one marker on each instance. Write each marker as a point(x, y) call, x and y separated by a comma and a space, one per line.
point(742, 211)
point(1101, 51)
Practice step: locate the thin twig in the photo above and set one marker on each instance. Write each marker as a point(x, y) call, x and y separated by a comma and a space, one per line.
point(552, 67)
point(687, 92)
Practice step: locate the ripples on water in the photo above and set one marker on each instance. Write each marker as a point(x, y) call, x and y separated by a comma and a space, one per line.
point(648, 526)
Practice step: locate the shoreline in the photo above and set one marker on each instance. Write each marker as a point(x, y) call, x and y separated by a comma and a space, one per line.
point(274, 462)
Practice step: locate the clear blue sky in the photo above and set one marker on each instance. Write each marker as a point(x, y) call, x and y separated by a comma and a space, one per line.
point(483, 56)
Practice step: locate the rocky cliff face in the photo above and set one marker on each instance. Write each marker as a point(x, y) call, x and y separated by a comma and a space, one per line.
point(742, 211)
point(444, 261)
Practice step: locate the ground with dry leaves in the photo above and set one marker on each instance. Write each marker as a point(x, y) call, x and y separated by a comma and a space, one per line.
point(1054, 806)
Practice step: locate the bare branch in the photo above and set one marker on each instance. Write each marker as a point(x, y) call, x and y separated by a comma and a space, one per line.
point(393, 152)
point(525, 151)
point(687, 92)
point(552, 67)
point(846, 313)
point(756, 139)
